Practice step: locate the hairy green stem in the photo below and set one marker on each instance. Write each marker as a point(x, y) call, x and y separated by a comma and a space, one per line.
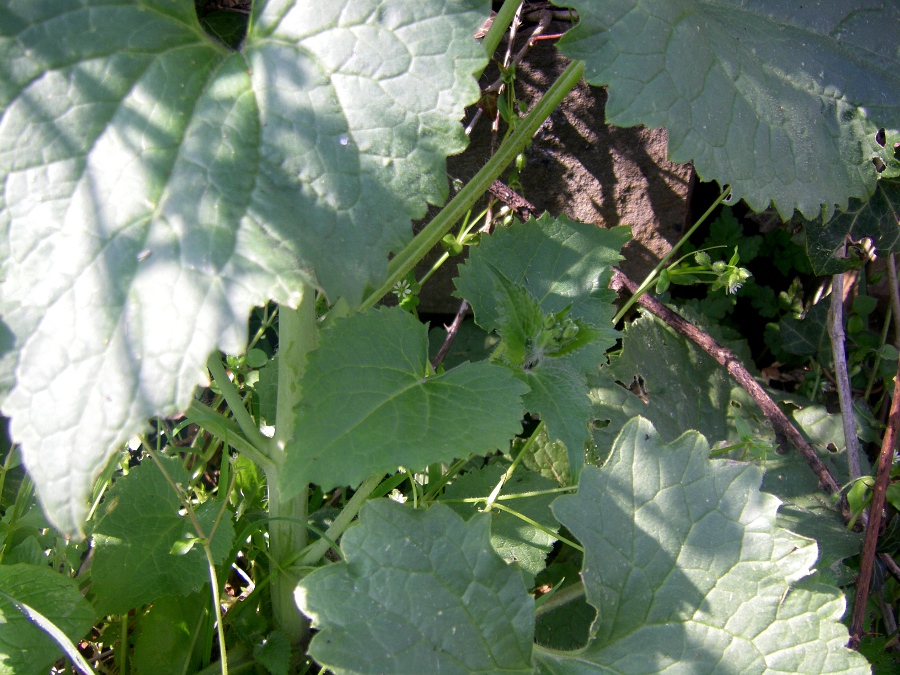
point(489, 502)
point(662, 263)
point(320, 547)
point(297, 336)
point(423, 242)
point(498, 27)
point(227, 431)
point(236, 405)
point(217, 606)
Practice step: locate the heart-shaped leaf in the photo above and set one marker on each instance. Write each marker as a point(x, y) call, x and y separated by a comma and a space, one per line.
point(157, 185)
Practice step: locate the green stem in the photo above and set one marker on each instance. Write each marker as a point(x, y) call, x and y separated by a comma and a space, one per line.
point(236, 405)
point(651, 278)
point(320, 547)
point(560, 598)
point(227, 431)
point(217, 606)
point(489, 502)
point(495, 33)
point(123, 635)
point(423, 242)
point(297, 336)
point(543, 528)
point(517, 495)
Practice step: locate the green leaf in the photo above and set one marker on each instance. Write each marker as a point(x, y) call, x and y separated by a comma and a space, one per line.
point(808, 336)
point(274, 653)
point(158, 186)
point(133, 563)
point(165, 635)
point(373, 408)
point(684, 386)
point(25, 649)
point(560, 262)
point(514, 539)
point(421, 592)
point(875, 219)
point(559, 393)
point(550, 459)
point(778, 100)
point(688, 571)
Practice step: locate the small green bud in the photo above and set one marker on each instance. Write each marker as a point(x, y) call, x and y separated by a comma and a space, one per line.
point(702, 258)
point(570, 331)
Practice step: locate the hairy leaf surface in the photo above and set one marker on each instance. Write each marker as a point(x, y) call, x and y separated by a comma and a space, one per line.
point(133, 559)
point(374, 406)
point(421, 592)
point(25, 649)
point(157, 185)
point(560, 262)
point(548, 270)
point(778, 100)
point(688, 571)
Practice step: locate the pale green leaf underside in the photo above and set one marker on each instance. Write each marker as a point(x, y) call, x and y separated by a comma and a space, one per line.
point(133, 563)
point(421, 592)
point(689, 573)
point(156, 186)
point(24, 648)
point(372, 407)
point(779, 100)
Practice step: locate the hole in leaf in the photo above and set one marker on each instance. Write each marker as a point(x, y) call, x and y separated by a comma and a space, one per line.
point(225, 22)
point(831, 447)
point(879, 164)
point(599, 424)
point(880, 137)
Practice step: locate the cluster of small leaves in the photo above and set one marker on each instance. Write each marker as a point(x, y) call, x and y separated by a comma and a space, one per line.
point(542, 285)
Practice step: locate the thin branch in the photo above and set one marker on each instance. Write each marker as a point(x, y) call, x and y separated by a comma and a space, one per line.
point(452, 330)
point(523, 208)
point(885, 461)
point(845, 396)
point(726, 357)
point(895, 297)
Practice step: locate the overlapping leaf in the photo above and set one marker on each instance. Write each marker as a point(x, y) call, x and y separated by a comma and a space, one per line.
point(542, 286)
point(877, 219)
point(420, 592)
point(775, 99)
point(374, 405)
point(688, 571)
point(25, 649)
point(684, 387)
point(133, 559)
point(157, 186)
point(514, 539)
